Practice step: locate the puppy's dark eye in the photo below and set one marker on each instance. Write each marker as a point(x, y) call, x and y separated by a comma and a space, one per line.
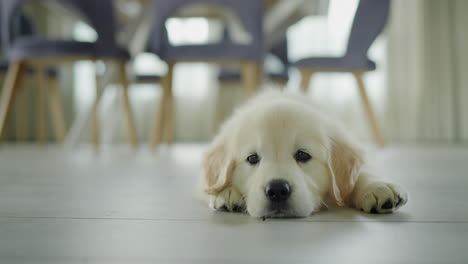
point(253, 159)
point(301, 156)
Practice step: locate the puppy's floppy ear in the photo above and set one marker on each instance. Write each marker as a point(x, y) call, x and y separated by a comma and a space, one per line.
point(344, 162)
point(218, 169)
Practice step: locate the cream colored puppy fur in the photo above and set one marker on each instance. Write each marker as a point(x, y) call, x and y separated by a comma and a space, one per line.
point(275, 126)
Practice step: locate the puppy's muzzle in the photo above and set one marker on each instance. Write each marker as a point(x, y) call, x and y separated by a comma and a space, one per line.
point(278, 191)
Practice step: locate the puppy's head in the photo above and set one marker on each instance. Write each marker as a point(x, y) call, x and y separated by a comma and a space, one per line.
point(283, 157)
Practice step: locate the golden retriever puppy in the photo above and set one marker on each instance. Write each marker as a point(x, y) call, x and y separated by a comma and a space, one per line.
point(277, 156)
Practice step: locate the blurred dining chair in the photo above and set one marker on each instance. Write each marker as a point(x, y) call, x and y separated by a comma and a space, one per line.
point(21, 25)
point(248, 55)
point(41, 52)
point(369, 21)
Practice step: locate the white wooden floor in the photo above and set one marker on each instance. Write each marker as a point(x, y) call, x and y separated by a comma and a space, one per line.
point(122, 207)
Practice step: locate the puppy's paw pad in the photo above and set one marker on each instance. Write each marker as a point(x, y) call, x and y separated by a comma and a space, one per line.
point(381, 198)
point(229, 200)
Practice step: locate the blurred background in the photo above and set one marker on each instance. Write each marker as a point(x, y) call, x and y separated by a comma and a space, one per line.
point(413, 74)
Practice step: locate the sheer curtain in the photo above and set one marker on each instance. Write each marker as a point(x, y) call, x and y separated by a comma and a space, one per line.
point(428, 61)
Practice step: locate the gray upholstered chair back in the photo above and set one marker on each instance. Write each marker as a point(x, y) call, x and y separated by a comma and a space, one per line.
point(98, 13)
point(20, 25)
point(250, 13)
point(369, 21)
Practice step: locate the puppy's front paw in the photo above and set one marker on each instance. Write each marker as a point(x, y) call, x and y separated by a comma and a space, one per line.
point(229, 200)
point(381, 198)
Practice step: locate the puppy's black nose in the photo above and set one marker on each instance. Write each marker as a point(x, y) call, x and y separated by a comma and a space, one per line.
point(278, 190)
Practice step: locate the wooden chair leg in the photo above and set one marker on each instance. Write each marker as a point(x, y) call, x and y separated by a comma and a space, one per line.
point(12, 82)
point(306, 75)
point(56, 110)
point(169, 105)
point(132, 134)
point(250, 80)
point(160, 128)
point(156, 131)
point(369, 111)
point(259, 75)
point(40, 105)
point(22, 116)
point(95, 135)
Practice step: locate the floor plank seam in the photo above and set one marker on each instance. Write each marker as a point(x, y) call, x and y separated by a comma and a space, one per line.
point(208, 220)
